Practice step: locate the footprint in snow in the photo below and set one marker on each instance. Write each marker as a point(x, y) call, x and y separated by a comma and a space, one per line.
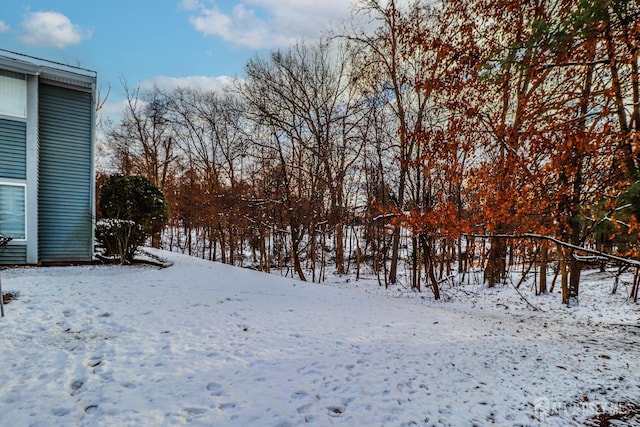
point(225, 406)
point(336, 411)
point(94, 361)
point(76, 386)
point(215, 389)
point(303, 409)
point(300, 395)
point(61, 412)
point(194, 413)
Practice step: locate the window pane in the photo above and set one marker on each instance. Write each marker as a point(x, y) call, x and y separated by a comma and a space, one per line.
point(13, 94)
point(12, 211)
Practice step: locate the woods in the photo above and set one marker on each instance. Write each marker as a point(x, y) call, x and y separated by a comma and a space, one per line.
point(390, 144)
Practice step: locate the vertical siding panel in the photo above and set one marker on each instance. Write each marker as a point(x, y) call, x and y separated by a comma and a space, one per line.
point(64, 195)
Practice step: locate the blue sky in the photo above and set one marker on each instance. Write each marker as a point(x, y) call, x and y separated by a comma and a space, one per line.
point(164, 42)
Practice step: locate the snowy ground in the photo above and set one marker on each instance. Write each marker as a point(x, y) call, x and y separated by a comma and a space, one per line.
point(204, 344)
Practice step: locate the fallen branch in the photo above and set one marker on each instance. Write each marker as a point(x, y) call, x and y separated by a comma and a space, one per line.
point(523, 297)
point(602, 255)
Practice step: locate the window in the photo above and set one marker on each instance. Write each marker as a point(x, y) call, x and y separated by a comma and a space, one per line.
point(12, 211)
point(13, 94)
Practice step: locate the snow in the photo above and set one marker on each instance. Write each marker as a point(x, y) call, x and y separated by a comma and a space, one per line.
point(206, 344)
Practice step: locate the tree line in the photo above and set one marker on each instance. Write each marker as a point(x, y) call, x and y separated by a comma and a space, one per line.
point(422, 134)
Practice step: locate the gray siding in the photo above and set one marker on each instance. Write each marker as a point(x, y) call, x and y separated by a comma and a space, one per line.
point(13, 149)
point(64, 194)
point(13, 255)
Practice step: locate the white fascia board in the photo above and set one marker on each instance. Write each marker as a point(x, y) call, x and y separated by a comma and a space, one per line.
point(18, 66)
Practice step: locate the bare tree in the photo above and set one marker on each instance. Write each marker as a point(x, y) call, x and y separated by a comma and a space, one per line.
point(304, 96)
point(392, 72)
point(142, 141)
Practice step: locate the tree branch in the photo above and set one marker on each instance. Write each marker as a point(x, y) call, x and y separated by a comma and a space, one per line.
point(627, 261)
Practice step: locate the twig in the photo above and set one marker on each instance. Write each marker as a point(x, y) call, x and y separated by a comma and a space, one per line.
point(523, 297)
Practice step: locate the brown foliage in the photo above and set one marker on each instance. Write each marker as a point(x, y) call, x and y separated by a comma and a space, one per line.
point(486, 117)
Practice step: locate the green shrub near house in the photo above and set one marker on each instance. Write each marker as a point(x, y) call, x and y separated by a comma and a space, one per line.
point(132, 209)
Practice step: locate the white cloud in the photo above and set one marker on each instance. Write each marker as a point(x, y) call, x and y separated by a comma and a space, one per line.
point(114, 110)
point(190, 5)
point(52, 29)
point(203, 83)
point(4, 27)
point(268, 23)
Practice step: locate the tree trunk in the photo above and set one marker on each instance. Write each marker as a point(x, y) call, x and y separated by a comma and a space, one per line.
point(495, 269)
point(395, 249)
point(634, 288)
point(562, 267)
point(395, 246)
point(156, 240)
point(574, 280)
point(428, 261)
point(339, 252)
point(358, 253)
point(295, 249)
point(544, 256)
point(415, 283)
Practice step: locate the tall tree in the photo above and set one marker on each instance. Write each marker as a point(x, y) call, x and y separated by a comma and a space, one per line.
point(142, 140)
point(304, 96)
point(392, 71)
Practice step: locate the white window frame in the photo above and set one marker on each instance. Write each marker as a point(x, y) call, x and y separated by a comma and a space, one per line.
point(21, 88)
point(18, 183)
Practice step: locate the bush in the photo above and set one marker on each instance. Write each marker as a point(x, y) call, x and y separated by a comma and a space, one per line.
point(119, 237)
point(132, 209)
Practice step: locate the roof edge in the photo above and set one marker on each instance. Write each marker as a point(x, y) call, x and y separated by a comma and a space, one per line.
point(51, 70)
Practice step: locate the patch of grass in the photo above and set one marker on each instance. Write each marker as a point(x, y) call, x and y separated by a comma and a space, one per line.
point(628, 413)
point(7, 297)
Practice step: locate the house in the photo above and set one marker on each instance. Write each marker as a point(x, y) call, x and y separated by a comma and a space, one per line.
point(47, 139)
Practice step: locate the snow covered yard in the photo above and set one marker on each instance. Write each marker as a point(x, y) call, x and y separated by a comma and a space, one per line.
point(205, 344)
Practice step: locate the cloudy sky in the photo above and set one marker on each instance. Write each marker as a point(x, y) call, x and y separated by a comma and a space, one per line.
point(167, 42)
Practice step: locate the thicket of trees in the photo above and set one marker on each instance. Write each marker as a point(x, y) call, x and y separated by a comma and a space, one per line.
point(422, 134)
